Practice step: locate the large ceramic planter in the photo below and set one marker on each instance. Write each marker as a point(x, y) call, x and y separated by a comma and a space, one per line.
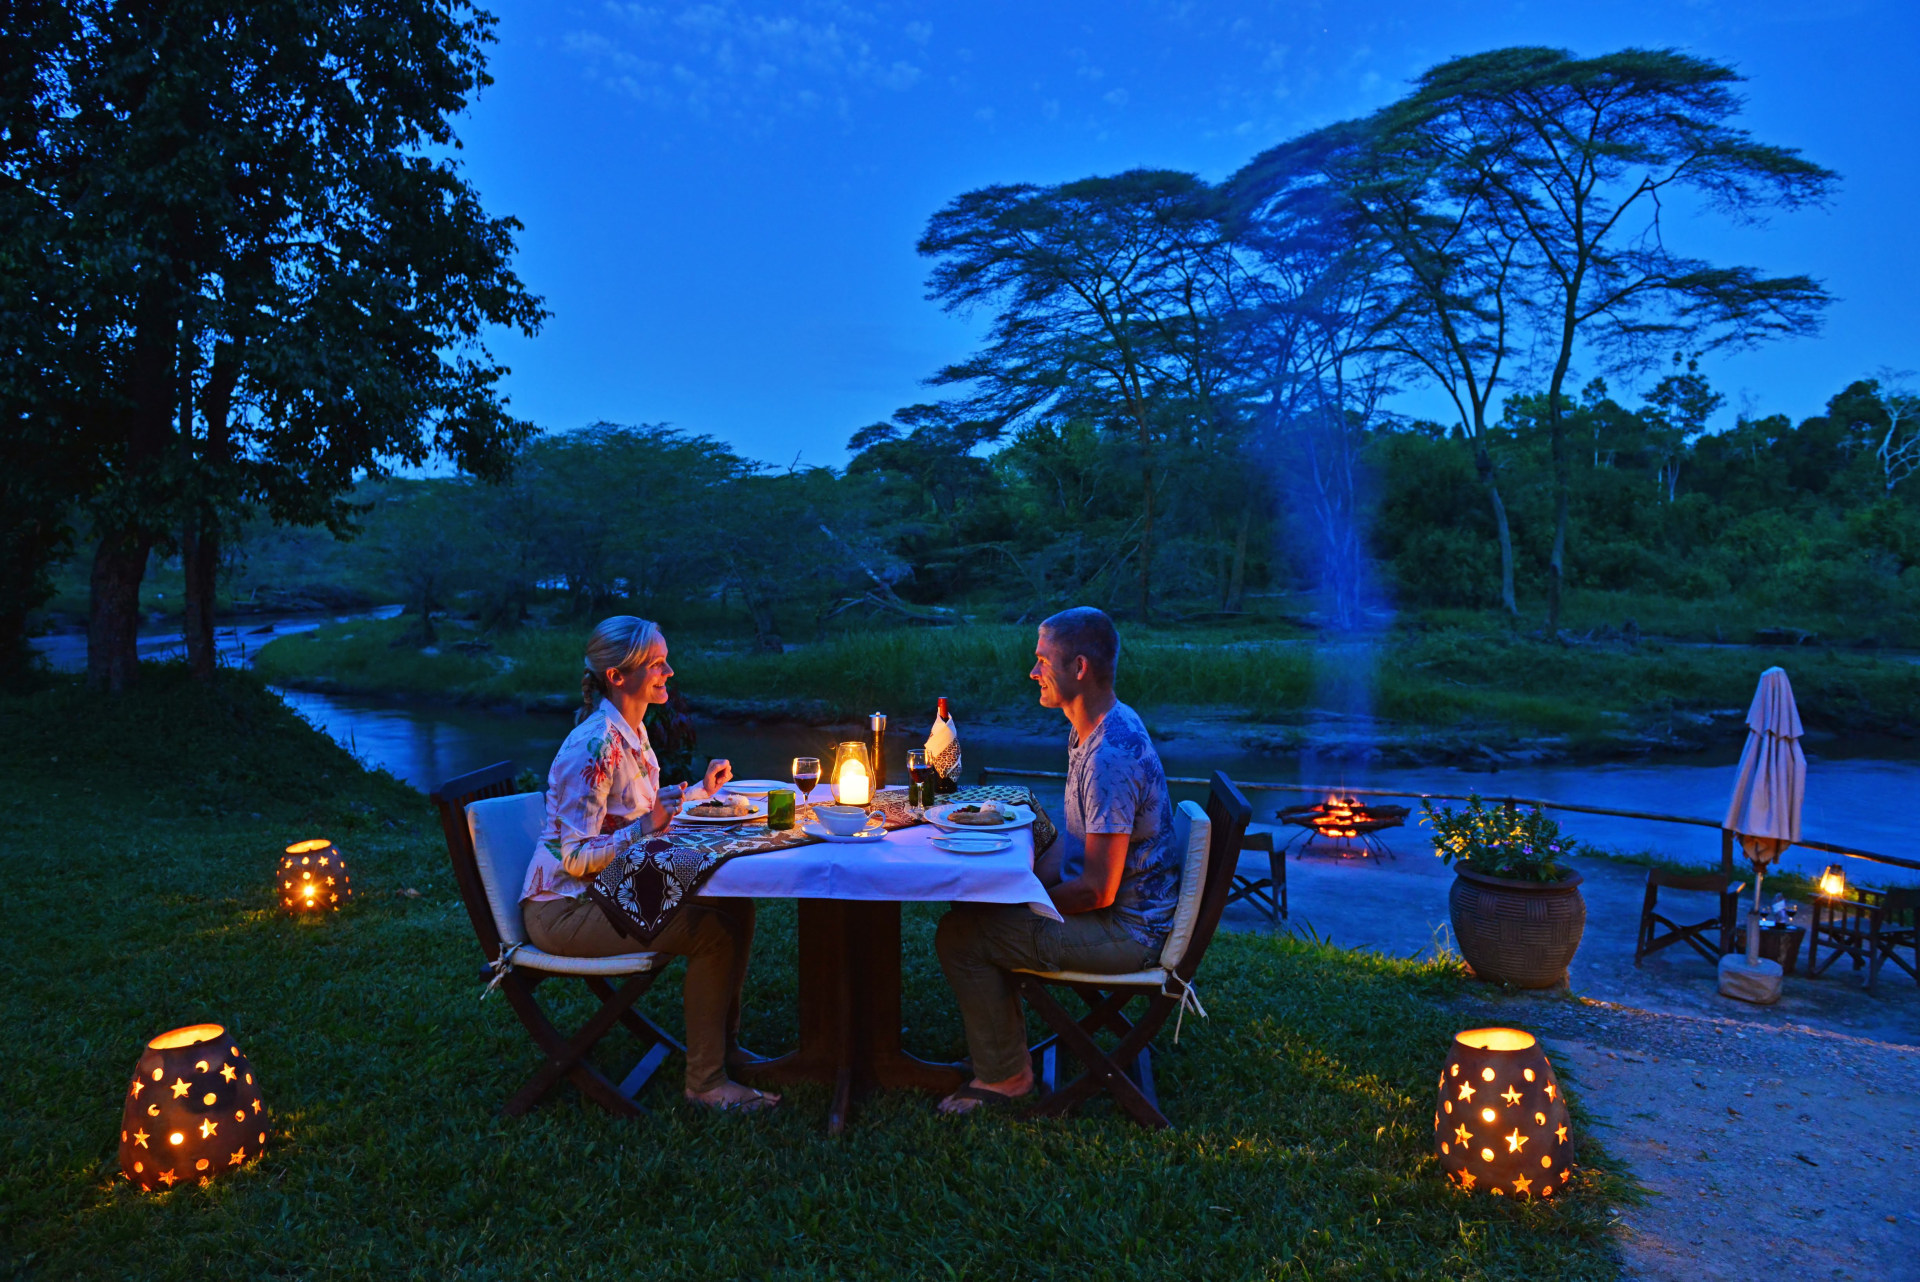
point(1522, 933)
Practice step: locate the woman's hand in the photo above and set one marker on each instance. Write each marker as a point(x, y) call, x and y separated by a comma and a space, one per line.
point(719, 771)
point(665, 806)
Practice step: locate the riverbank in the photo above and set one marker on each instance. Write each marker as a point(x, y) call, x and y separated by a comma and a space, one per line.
point(1439, 696)
point(1303, 1107)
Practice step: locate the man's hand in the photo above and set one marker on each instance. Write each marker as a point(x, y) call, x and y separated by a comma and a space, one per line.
point(1099, 879)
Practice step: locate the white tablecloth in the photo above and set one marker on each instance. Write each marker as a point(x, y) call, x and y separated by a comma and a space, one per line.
point(904, 865)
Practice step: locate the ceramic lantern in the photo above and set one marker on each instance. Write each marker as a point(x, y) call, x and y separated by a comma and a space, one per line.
point(312, 878)
point(1501, 1124)
point(193, 1110)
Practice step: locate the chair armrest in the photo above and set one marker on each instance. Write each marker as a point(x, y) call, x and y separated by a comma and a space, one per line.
point(1257, 841)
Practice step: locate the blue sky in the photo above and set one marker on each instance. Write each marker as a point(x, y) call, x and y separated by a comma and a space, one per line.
point(721, 199)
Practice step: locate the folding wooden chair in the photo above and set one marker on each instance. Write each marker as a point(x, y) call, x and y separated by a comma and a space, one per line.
point(1870, 926)
point(1212, 840)
point(1268, 894)
point(491, 833)
point(1650, 940)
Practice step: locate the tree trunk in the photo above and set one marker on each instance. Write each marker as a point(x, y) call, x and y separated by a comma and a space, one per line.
point(1237, 579)
point(200, 560)
point(200, 540)
point(1483, 465)
point(1146, 548)
point(113, 655)
point(1562, 489)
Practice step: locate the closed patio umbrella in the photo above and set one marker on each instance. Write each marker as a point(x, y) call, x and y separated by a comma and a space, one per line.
point(1769, 789)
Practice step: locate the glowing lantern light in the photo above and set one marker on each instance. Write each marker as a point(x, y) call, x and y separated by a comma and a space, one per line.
point(1833, 882)
point(193, 1111)
point(312, 878)
point(1501, 1125)
point(852, 774)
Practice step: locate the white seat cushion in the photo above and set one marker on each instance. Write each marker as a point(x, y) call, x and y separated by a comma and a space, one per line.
point(624, 964)
point(505, 831)
point(1193, 830)
point(1147, 978)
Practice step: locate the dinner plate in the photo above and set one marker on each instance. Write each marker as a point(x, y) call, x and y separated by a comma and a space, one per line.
point(968, 844)
point(866, 836)
point(756, 787)
point(937, 816)
point(757, 810)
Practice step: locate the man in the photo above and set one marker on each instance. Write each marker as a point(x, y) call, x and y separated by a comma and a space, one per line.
point(1115, 880)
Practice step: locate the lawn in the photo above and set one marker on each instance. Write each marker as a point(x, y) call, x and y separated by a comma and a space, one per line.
point(1456, 679)
point(139, 835)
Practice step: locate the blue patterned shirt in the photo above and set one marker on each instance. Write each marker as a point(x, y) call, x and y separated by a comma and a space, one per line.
point(1115, 784)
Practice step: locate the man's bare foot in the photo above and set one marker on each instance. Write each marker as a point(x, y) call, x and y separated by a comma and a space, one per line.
point(732, 1097)
point(967, 1098)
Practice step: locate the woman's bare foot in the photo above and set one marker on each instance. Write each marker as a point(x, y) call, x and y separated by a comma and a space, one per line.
point(964, 1101)
point(732, 1097)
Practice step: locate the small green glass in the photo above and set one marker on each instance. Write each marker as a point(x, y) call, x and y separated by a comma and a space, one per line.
point(780, 809)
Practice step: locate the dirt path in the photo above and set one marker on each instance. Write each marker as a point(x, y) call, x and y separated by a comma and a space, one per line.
point(1784, 1150)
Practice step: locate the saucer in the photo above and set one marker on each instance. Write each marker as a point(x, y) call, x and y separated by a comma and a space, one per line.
point(961, 844)
point(813, 828)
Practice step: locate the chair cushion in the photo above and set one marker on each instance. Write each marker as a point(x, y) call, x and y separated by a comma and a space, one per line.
point(554, 964)
point(1153, 978)
point(505, 831)
point(1193, 831)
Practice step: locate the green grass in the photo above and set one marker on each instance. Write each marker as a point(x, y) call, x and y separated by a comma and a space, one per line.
point(1448, 678)
point(139, 835)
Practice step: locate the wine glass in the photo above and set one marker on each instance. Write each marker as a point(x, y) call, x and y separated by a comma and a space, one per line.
point(806, 777)
point(922, 775)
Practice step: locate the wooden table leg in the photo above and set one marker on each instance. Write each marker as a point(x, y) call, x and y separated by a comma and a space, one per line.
point(849, 997)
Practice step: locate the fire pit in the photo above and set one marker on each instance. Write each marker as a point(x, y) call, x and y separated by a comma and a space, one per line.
point(1344, 826)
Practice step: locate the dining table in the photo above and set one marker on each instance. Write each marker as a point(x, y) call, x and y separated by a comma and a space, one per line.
point(848, 897)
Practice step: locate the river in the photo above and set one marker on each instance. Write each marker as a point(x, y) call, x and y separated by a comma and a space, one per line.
point(1861, 801)
point(1858, 796)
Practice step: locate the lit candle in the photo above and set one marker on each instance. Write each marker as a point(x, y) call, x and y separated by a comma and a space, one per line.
point(1833, 882)
point(855, 788)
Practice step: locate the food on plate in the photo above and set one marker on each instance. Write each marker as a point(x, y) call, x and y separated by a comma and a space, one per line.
point(981, 813)
point(725, 806)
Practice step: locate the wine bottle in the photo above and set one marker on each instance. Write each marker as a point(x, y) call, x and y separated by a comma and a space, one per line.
point(943, 750)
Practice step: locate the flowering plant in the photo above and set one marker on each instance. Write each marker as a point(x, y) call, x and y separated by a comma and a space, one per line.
point(1498, 840)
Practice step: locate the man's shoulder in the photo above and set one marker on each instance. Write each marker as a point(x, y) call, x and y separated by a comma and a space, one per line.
point(1123, 736)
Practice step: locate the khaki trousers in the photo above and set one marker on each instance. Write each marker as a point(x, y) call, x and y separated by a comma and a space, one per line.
point(979, 944)
point(714, 935)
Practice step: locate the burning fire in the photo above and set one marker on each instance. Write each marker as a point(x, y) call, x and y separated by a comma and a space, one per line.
point(1339, 817)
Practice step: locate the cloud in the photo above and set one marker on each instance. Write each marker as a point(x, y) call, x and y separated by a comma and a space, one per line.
point(1115, 98)
point(722, 58)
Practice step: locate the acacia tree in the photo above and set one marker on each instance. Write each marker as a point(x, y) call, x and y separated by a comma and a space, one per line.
point(1577, 156)
point(1445, 263)
point(261, 203)
point(1110, 296)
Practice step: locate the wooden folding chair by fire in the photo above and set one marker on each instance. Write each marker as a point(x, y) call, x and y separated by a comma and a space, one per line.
point(1212, 839)
point(491, 833)
point(1720, 884)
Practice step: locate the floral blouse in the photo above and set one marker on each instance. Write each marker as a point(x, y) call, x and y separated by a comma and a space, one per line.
point(604, 777)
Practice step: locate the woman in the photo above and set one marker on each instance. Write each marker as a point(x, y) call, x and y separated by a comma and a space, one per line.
point(602, 794)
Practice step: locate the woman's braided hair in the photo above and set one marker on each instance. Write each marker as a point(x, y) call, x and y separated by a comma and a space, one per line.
point(622, 643)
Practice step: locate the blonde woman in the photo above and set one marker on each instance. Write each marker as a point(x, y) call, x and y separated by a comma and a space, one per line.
point(604, 790)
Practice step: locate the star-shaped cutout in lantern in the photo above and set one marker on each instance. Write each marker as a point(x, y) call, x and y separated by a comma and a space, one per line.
point(1515, 1140)
point(1522, 1184)
point(1549, 1090)
point(226, 1071)
point(1560, 1133)
point(1511, 1096)
point(1462, 1134)
point(167, 1178)
point(1466, 1090)
point(1466, 1180)
point(256, 1106)
point(180, 1087)
point(141, 1138)
point(138, 1086)
point(208, 1127)
point(238, 1156)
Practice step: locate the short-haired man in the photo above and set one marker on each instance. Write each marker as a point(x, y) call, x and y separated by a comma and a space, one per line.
point(1116, 880)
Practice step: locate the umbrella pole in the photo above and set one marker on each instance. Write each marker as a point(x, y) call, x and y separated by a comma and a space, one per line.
point(1753, 917)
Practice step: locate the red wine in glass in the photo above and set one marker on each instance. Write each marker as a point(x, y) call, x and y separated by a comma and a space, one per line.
point(806, 776)
point(922, 775)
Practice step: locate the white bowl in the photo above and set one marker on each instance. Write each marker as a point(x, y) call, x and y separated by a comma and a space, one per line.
point(843, 821)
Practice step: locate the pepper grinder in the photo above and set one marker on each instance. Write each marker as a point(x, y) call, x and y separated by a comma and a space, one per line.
point(878, 721)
